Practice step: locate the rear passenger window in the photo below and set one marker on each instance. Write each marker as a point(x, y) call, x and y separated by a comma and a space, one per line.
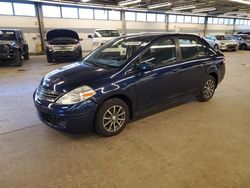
point(188, 48)
point(161, 53)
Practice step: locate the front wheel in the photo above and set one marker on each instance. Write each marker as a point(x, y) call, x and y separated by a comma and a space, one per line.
point(111, 117)
point(216, 47)
point(17, 62)
point(207, 89)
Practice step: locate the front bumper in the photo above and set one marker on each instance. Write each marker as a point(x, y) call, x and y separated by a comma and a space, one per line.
point(73, 118)
point(7, 56)
point(64, 55)
point(229, 47)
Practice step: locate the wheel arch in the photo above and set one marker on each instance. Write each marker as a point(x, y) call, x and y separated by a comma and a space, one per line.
point(214, 74)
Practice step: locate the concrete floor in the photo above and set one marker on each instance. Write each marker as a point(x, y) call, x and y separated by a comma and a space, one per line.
point(192, 145)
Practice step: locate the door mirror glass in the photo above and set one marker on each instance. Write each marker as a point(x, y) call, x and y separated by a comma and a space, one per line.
point(90, 36)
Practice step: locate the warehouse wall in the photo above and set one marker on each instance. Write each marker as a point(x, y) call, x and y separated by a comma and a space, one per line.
point(84, 27)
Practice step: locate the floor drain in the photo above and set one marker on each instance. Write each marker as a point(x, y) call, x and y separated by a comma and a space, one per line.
point(246, 64)
point(21, 70)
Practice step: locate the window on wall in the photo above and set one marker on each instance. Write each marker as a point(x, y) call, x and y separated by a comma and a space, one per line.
point(69, 12)
point(130, 16)
point(241, 22)
point(215, 20)
point(180, 19)
point(172, 18)
point(237, 21)
point(160, 17)
point(210, 20)
point(51, 11)
point(245, 22)
point(151, 17)
point(187, 19)
point(6, 8)
point(221, 21)
point(231, 21)
point(195, 19)
point(22, 9)
point(141, 17)
point(226, 21)
point(101, 14)
point(201, 20)
point(114, 15)
point(248, 22)
point(86, 13)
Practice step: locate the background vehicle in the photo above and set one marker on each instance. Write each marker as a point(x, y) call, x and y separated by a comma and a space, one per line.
point(13, 47)
point(101, 36)
point(243, 40)
point(63, 44)
point(128, 77)
point(222, 42)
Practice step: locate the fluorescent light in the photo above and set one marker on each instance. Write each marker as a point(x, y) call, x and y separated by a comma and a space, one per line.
point(241, 1)
point(85, 1)
point(204, 10)
point(158, 5)
point(184, 7)
point(126, 3)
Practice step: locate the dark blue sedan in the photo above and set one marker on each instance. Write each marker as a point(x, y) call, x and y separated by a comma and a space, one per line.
point(126, 78)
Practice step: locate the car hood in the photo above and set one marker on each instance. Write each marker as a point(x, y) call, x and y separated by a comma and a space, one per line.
point(74, 75)
point(104, 39)
point(60, 33)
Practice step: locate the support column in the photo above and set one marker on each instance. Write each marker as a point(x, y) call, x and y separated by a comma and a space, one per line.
point(41, 25)
point(205, 26)
point(234, 29)
point(167, 23)
point(124, 29)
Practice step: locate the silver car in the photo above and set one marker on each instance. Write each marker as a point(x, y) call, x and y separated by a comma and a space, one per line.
point(222, 42)
point(243, 40)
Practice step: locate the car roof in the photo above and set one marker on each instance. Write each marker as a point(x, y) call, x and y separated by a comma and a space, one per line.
point(156, 35)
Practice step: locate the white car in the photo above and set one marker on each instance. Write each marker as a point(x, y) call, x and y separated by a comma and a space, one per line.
point(222, 42)
point(101, 36)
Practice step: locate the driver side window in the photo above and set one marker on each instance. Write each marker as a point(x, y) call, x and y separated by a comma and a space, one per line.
point(161, 53)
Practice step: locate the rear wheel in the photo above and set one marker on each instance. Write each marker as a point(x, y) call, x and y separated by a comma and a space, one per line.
point(17, 62)
point(111, 117)
point(26, 56)
point(243, 47)
point(207, 89)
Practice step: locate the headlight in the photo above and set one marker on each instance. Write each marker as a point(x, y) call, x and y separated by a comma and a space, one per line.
point(76, 95)
point(49, 47)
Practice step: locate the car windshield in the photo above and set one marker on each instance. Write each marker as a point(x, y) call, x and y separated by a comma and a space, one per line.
point(108, 33)
point(117, 52)
point(7, 35)
point(223, 37)
point(245, 37)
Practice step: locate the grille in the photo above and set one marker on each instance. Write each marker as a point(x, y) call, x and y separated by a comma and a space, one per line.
point(63, 48)
point(3, 48)
point(47, 95)
point(232, 45)
point(46, 117)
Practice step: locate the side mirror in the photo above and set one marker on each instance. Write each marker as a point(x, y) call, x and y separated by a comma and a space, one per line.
point(145, 66)
point(90, 36)
point(80, 39)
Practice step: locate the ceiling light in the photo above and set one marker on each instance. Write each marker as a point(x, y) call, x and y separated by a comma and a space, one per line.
point(204, 10)
point(126, 3)
point(85, 1)
point(184, 7)
point(241, 1)
point(158, 5)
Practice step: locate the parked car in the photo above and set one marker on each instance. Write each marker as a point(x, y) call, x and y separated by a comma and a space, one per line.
point(101, 36)
point(244, 32)
point(62, 45)
point(243, 40)
point(13, 47)
point(222, 42)
point(127, 77)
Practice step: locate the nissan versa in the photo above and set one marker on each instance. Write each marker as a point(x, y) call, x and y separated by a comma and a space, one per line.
point(126, 78)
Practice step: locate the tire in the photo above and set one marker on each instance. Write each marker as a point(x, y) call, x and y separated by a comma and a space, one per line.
point(216, 47)
point(243, 47)
point(111, 117)
point(207, 90)
point(49, 60)
point(26, 56)
point(17, 62)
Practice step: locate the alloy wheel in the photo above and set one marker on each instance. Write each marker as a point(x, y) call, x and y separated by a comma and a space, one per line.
point(114, 118)
point(208, 89)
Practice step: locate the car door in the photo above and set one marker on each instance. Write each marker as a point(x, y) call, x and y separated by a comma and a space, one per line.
point(195, 58)
point(164, 80)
